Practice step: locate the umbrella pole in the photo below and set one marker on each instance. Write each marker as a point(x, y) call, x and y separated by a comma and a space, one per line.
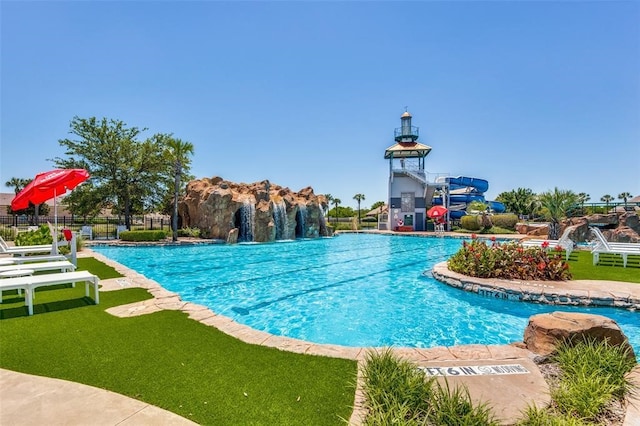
point(55, 221)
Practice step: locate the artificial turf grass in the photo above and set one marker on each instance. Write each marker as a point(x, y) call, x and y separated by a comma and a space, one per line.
point(178, 364)
point(96, 267)
point(582, 268)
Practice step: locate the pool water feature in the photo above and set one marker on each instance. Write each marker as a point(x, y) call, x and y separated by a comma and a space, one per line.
point(352, 290)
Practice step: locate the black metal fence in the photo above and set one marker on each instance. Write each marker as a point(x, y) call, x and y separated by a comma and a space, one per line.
point(102, 228)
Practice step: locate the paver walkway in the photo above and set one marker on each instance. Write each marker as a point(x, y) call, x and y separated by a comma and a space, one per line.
point(32, 400)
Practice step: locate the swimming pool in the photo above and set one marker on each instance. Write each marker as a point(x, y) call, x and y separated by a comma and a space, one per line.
point(352, 290)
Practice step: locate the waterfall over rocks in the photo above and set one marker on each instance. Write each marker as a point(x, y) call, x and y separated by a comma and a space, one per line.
point(281, 220)
point(247, 221)
point(258, 212)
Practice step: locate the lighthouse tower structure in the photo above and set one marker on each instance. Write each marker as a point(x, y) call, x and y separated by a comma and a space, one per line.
point(410, 194)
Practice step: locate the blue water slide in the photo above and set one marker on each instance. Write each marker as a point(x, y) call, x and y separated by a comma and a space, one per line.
point(479, 185)
point(497, 206)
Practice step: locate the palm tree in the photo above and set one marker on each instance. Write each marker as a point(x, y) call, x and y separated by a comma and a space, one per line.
point(606, 199)
point(178, 153)
point(557, 202)
point(336, 202)
point(358, 198)
point(583, 197)
point(624, 196)
point(17, 184)
point(329, 199)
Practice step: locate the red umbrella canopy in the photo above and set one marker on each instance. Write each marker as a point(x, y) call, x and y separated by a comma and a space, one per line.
point(48, 185)
point(436, 211)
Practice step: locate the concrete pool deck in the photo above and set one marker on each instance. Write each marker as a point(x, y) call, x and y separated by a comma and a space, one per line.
point(510, 382)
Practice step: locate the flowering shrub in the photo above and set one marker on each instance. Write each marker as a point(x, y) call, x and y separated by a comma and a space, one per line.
point(510, 261)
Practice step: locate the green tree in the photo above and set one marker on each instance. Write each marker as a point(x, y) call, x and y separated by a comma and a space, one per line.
point(606, 199)
point(358, 198)
point(377, 204)
point(583, 197)
point(178, 154)
point(329, 199)
point(521, 201)
point(125, 172)
point(624, 196)
point(557, 203)
point(33, 211)
point(336, 203)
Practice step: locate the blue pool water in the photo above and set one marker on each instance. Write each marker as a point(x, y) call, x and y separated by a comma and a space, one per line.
point(352, 290)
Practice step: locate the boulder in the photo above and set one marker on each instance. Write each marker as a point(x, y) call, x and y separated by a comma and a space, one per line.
point(528, 229)
point(546, 331)
point(623, 227)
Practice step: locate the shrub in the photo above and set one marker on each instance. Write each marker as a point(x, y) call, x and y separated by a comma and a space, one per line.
point(506, 221)
point(42, 235)
point(189, 232)
point(470, 222)
point(153, 235)
point(399, 393)
point(510, 261)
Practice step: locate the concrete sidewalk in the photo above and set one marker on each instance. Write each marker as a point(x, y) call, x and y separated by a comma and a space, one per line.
point(35, 400)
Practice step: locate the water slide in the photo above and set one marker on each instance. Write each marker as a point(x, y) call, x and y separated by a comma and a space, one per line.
point(462, 191)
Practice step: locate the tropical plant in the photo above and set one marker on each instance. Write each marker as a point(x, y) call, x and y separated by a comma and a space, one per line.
point(336, 203)
point(521, 201)
point(358, 198)
point(329, 199)
point(606, 199)
point(18, 184)
point(178, 153)
point(557, 203)
point(624, 196)
point(583, 197)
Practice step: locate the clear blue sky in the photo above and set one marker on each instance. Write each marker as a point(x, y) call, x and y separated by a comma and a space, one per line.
point(523, 94)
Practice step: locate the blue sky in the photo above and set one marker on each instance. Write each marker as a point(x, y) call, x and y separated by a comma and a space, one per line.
point(523, 94)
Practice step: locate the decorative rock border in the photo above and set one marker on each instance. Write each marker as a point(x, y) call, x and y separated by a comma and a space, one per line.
point(577, 293)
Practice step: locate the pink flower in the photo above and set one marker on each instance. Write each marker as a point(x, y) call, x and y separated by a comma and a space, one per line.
point(545, 244)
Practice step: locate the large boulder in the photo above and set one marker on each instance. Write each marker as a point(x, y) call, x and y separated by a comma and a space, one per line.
point(260, 211)
point(545, 332)
point(616, 227)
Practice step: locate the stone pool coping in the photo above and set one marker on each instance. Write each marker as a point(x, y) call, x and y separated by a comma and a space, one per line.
point(574, 293)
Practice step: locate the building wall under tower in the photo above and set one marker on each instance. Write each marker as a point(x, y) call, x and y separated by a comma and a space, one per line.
point(416, 215)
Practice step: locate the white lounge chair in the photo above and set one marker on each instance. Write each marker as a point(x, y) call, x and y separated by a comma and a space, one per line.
point(603, 246)
point(60, 265)
point(19, 260)
point(24, 250)
point(30, 283)
point(564, 242)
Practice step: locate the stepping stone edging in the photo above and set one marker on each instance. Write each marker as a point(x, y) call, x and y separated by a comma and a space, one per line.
point(548, 292)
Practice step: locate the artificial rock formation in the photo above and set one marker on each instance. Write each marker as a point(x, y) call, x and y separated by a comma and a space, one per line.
point(546, 331)
point(260, 211)
point(623, 227)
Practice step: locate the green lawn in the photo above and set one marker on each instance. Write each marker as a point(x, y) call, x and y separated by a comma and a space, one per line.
point(170, 361)
point(609, 268)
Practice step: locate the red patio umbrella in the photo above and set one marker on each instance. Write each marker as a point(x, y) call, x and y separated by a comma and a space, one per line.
point(48, 185)
point(436, 211)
